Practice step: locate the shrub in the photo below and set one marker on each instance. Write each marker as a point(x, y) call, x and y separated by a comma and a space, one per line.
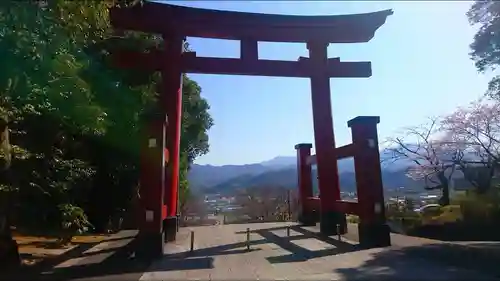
point(480, 208)
point(73, 221)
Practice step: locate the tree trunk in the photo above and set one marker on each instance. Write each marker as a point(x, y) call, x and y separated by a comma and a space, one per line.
point(445, 187)
point(9, 251)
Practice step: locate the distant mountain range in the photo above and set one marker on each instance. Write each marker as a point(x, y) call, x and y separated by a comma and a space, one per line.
point(281, 171)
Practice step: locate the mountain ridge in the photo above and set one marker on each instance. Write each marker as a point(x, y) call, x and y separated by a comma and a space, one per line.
point(280, 170)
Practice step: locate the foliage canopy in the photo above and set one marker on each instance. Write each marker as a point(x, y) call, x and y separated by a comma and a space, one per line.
point(71, 120)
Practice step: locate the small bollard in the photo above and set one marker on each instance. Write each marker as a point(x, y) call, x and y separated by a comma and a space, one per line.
point(248, 239)
point(192, 241)
point(338, 232)
point(288, 231)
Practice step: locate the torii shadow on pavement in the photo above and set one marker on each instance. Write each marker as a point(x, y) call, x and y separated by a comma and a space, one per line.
point(392, 263)
point(299, 253)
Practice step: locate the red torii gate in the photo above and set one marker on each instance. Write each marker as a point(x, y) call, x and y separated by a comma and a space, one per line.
point(372, 228)
point(159, 182)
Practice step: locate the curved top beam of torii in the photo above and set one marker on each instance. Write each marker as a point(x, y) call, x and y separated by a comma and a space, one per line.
point(170, 19)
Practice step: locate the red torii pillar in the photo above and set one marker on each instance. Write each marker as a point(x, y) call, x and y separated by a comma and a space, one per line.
point(304, 176)
point(171, 102)
point(159, 182)
point(328, 178)
point(152, 181)
point(372, 229)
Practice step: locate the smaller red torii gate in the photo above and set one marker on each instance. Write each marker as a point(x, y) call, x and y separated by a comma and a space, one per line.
point(159, 182)
point(372, 229)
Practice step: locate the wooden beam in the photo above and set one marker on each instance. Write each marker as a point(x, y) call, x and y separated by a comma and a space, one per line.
point(311, 160)
point(345, 151)
point(249, 50)
point(342, 152)
point(313, 202)
point(273, 68)
point(163, 18)
point(347, 207)
point(231, 66)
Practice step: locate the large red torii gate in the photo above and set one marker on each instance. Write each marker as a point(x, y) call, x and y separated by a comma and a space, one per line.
point(159, 182)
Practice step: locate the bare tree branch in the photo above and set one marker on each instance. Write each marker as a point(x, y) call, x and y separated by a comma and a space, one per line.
point(433, 156)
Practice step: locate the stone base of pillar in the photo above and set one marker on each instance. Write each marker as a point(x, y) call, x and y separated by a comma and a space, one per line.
point(308, 218)
point(170, 228)
point(330, 221)
point(149, 245)
point(374, 235)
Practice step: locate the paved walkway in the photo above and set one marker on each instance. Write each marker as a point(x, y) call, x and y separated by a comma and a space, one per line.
point(278, 251)
point(220, 254)
point(108, 259)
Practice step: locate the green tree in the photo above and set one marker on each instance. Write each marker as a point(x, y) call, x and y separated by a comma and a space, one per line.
point(10, 253)
point(47, 96)
point(485, 48)
point(135, 95)
point(72, 118)
point(43, 102)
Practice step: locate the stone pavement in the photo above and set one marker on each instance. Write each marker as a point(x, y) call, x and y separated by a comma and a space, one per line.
point(220, 253)
point(109, 259)
point(478, 255)
point(278, 251)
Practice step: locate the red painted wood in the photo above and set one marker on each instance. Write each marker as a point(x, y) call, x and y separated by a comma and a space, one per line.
point(345, 151)
point(153, 61)
point(347, 207)
point(249, 50)
point(171, 101)
point(313, 203)
point(342, 152)
point(164, 210)
point(304, 174)
point(328, 178)
point(193, 22)
point(274, 68)
point(367, 166)
point(312, 160)
point(176, 22)
point(151, 176)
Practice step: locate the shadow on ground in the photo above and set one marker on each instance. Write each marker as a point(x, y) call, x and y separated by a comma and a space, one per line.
point(394, 264)
point(300, 254)
point(458, 232)
point(120, 265)
point(397, 262)
point(387, 264)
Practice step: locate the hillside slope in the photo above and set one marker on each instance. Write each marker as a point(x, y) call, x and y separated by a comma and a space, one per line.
point(209, 176)
point(204, 176)
point(288, 178)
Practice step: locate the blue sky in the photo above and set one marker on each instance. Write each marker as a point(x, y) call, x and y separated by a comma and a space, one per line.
point(420, 65)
